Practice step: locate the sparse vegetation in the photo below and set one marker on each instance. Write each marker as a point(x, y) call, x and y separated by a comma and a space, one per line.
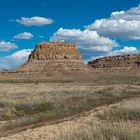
point(28, 104)
point(123, 114)
point(116, 124)
point(103, 132)
point(26, 113)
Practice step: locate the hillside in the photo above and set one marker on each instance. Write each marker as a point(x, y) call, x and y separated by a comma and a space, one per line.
point(131, 61)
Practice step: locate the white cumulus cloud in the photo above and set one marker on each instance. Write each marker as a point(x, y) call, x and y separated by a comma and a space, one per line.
point(20, 54)
point(24, 35)
point(15, 59)
point(121, 24)
point(34, 21)
point(125, 50)
point(89, 42)
point(7, 46)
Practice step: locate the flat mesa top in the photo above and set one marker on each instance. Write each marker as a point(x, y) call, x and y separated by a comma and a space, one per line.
point(56, 44)
point(55, 50)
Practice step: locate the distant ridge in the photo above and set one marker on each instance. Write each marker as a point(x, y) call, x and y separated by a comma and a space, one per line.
point(120, 61)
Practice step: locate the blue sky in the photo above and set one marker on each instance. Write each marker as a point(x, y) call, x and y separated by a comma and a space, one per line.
point(98, 27)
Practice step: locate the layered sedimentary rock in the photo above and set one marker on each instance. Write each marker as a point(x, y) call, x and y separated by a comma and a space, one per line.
point(55, 51)
point(120, 61)
point(50, 58)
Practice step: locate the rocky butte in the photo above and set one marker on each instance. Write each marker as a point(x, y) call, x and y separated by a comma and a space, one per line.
point(51, 58)
point(131, 61)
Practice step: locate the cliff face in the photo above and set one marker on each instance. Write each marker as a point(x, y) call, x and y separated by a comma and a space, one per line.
point(50, 58)
point(121, 61)
point(54, 51)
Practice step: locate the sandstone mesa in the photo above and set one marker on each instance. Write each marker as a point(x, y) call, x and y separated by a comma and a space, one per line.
point(52, 58)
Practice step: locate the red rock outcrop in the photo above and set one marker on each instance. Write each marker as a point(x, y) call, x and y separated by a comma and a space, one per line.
point(54, 51)
point(50, 58)
point(120, 61)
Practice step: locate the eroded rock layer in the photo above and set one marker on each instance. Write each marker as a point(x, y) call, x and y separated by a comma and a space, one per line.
point(50, 58)
point(121, 61)
point(55, 51)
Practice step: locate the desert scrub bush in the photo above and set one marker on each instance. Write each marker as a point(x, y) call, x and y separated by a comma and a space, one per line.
point(102, 132)
point(66, 107)
point(17, 110)
point(26, 109)
point(46, 111)
point(118, 114)
point(78, 104)
point(6, 111)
